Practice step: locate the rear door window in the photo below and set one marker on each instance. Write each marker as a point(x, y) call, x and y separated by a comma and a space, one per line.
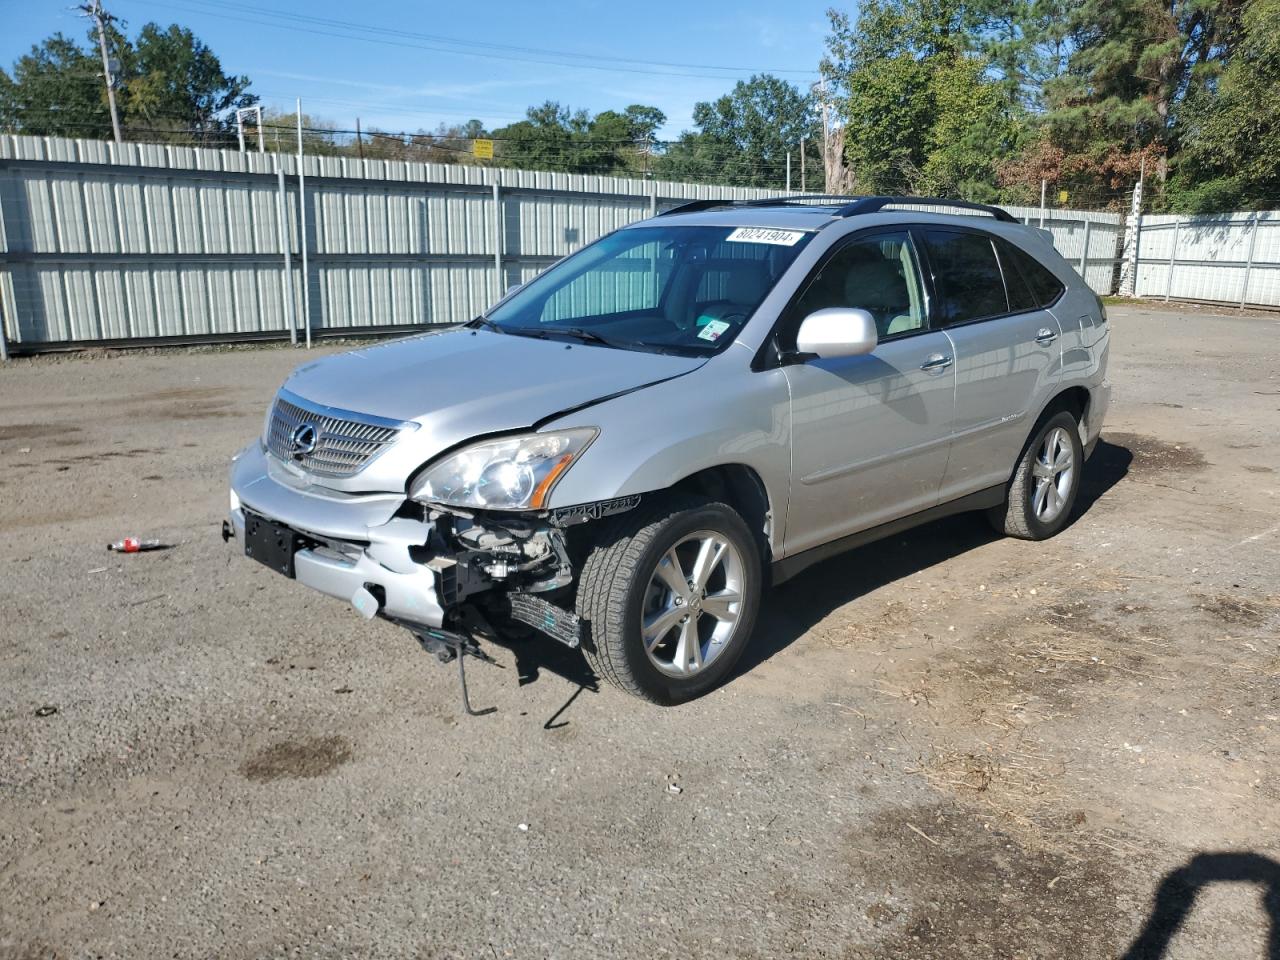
point(966, 276)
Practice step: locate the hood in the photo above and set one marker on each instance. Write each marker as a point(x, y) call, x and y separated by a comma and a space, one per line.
point(462, 383)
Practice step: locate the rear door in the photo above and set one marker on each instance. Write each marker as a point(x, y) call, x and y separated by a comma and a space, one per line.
point(1041, 288)
point(869, 433)
point(1008, 353)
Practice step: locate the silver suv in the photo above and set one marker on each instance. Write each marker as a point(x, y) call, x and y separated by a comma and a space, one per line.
point(624, 452)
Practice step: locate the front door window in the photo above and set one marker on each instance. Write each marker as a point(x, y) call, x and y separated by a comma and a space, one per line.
point(877, 274)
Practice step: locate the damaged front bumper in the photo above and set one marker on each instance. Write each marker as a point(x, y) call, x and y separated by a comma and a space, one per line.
point(354, 548)
point(391, 557)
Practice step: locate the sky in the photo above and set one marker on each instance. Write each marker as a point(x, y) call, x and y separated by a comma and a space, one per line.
point(399, 65)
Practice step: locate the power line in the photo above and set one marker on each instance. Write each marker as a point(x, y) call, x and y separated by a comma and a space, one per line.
point(502, 49)
point(347, 30)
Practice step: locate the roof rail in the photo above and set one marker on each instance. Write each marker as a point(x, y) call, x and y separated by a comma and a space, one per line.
point(795, 200)
point(875, 204)
point(849, 206)
point(693, 206)
point(803, 199)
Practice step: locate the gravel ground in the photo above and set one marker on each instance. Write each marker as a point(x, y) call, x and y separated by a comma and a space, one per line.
point(944, 745)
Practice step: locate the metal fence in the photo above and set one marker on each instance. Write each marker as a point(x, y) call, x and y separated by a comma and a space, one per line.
point(144, 243)
point(1224, 258)
point(140, 242)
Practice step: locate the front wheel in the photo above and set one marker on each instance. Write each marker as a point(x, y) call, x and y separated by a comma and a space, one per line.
point(670, 596)
point(1045, 482)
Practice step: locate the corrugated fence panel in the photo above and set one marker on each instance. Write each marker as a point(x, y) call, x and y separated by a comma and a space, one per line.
point(135, 241)
point(1229, 258)
point(548, 225)
point(64, 303)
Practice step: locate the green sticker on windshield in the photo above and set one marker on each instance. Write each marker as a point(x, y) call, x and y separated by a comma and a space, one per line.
point(712, 330)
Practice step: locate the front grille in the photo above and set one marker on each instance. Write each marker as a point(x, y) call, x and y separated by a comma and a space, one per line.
point(344, 442)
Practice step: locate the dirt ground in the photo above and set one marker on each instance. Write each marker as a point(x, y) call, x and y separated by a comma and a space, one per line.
point(946, 745)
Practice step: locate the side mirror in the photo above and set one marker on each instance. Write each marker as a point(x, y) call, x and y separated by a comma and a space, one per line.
point(837, 332)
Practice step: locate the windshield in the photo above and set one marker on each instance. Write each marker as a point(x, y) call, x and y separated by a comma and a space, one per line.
point(666, 288)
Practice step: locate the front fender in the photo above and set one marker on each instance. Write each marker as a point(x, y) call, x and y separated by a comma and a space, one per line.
point(651, 439)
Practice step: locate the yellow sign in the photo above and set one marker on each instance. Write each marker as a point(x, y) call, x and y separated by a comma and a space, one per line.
point(483, 149)
point(1063, 196)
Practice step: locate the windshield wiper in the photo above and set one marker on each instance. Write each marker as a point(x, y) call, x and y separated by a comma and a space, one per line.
point(483, 321)
point(586, 336)
point(671, 349)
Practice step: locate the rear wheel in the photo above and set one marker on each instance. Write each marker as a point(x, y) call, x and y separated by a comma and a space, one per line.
point(669, 596)
point(1045, 482)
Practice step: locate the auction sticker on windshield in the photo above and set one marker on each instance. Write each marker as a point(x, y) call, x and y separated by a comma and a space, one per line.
point(712, 330)
point(783, 238)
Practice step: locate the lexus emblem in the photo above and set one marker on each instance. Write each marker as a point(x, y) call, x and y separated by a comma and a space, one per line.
point(302, 442)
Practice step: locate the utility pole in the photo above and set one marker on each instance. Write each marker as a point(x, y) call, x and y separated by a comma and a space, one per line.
point(359, 139)
point(788, 170)
point(826, 135)
point(802, 184)
point(302, 230)
point(101, 18)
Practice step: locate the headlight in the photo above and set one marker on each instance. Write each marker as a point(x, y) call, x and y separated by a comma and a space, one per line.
point(515, 473)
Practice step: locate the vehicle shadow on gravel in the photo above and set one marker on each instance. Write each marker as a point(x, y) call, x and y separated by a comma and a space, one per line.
point(1176, 896)
point(790, 610)
point(1109, 465)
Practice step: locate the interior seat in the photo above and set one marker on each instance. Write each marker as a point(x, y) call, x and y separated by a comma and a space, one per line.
point(878, 286)
point(743, 288)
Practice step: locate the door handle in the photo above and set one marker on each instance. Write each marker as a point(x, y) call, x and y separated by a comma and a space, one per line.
point(937, 361)
point(1045, 336)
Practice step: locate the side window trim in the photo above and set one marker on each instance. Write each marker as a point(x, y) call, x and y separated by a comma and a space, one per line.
point(933, 311)
point(1004, 280)
point(926, 301)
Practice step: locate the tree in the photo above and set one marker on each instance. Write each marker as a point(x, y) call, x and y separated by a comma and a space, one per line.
point(973, 126)
point(743, 137)
point(280, 134)
point(1230, 130)
point(544, 139)
point(172, 87)
point(923, 111)
point(1132, 64)
point(1023, 44)
point(55, 90)
point(446, 144)
point(623, 143)
point(554, 137)
point(173, 81)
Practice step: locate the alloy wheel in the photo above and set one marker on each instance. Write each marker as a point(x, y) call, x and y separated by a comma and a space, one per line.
point(692, 603)
point(1053, 472)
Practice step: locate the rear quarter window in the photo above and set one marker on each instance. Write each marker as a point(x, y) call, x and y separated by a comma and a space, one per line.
point(1024, 272)
point(966, 276)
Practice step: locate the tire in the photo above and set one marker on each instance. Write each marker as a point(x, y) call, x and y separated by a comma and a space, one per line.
point(628, 575)
point(1041, 496)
